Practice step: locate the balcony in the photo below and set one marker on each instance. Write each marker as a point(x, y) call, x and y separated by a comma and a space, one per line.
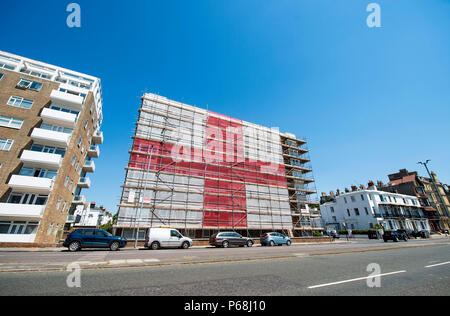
point(30, 184)
point(59, 118)
point(23, 212)
point(40, 159)
point(51, 138)
point(97, 138)
point(84, 183)
point(93, 152)
point(79, 200)
point(71, 100)
point(89, 166)
point(70, 219)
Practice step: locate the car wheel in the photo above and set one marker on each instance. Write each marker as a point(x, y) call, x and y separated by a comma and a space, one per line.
point(114, 246)
point(155, 245)
point(249, 243)
point(272, 243)
point(74, 246)
point(185, 245)
point(385, 240)
point(225, 244)
point(288, 243)
point(395, 239)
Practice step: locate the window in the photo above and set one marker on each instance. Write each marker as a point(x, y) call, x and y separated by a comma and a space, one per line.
point(66, 181)
point(48, 149)
point(345, 200)
point(332, 209)
point(5, 144)
point(5, 66)
point(27, 198)
point(56, 128)
point(18, 228)
point(356, 212)
point(73, 159)
point(35, 73)
point(353, 198)
point(362, 197)
point(1, 76)
point(50, 228)
point(86, 124)
point(28, 84)
point(79, 141)
point(367, 211)
point(11, 122)
point(348, 212)
point(20, 102)
point(58, 204)
point(57, 108)
point(38, 173)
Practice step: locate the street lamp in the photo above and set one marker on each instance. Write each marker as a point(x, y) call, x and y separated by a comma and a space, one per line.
point(425, 164)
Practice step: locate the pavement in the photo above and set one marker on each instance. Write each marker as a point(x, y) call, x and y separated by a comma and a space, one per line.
point(415, 268)
point(29, 261)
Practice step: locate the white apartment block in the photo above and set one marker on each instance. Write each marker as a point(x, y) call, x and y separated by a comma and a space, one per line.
point(364, 208)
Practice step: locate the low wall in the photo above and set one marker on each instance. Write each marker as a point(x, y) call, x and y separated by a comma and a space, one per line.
point(27, 245)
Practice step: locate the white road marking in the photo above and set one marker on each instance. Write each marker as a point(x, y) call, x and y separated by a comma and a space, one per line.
point(437, 264)
point(301, 255)
point(353, 280)
point(151, 260)
point(134, 261)
point(117, 261)
point(81, 262)
point(98, 263)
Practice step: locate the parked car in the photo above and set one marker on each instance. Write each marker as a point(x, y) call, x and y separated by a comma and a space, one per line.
point(408, 232)
point(272, 239)
point(334, 234)
point(226, 239)
point(372, 234)
point(166, 238)
point(93, 238)
point(394, 236)
point(421, 234)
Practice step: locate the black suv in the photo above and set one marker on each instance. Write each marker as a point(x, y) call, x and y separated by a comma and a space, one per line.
point(227, 239)
point(394, 236)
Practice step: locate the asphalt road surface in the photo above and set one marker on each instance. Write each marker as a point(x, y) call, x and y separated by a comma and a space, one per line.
point(417, 268)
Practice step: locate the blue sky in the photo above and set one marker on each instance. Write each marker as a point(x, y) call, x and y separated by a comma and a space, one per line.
point(370, 101)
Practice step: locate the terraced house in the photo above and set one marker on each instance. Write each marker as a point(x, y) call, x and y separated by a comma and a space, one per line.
point(50, 120)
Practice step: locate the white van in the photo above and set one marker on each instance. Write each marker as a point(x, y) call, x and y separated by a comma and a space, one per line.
point(166, 238)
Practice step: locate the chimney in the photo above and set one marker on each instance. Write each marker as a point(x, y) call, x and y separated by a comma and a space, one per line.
point(362, 187)
point(354, 188)
point(324, 194)
point(347, 190)
point(338, 192)
point(332, 194)
point(380, 183)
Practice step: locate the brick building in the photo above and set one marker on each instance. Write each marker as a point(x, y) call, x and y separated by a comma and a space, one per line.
point(50, 121)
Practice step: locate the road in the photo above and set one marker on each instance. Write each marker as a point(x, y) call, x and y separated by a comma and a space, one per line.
point(417, 268)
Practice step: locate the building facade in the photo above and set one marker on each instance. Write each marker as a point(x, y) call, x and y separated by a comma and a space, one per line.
point(363, 208)
point(201, 172)
point(50, 121)
point(90, 215)
point(435, 203)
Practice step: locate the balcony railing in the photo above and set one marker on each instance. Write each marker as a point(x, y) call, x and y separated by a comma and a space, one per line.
point(84, 183)
point(97, 138)
point(30, 184)
point(93, 151)
point(68, 99)
point(59, 118)
point(41, 159)
point(52, 138)
point(89, 166)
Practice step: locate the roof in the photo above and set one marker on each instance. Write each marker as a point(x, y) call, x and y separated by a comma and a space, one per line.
point(407, 179)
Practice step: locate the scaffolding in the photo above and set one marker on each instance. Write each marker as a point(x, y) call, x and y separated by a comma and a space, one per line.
point(198, 171)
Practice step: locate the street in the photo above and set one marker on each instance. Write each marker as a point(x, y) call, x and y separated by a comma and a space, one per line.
point(419, 267)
